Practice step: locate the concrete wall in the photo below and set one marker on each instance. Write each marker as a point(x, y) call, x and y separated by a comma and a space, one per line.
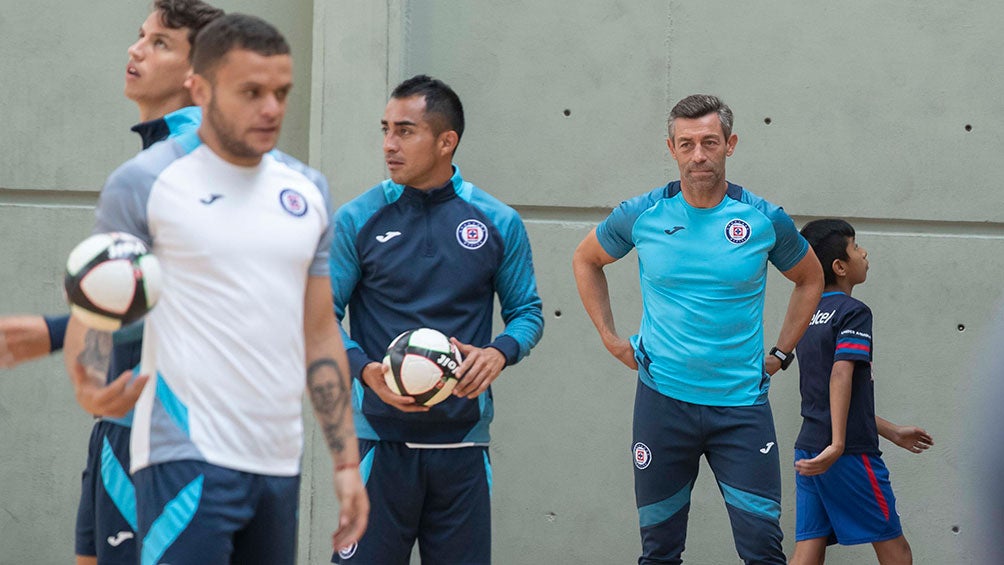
point(885, 114)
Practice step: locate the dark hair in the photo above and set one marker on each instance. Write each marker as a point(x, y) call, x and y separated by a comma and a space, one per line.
point(191, 14)
point(235, 31)
point(698, 106)
point(829, 239)
point(443, 109)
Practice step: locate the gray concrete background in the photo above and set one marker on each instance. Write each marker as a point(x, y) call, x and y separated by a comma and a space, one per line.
point(868, 107)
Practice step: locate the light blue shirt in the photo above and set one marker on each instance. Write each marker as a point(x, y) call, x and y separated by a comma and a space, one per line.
point(703, 275)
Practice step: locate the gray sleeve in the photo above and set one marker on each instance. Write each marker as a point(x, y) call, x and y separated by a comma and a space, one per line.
point(319, 266)
point(122, 204)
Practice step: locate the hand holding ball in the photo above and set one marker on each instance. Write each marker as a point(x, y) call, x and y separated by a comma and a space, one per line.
point(111, 280)
point(422, 364)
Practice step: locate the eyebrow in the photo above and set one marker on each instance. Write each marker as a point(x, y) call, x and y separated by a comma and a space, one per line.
point(256, 84)
point(698, 136)
point(401, 123)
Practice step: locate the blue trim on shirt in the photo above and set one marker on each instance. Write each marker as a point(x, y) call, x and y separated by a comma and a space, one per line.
point(172, 405)
point(181, 121)
point(189, 140)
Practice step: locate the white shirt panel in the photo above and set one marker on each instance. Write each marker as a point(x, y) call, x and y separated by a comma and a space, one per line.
point(227, 334)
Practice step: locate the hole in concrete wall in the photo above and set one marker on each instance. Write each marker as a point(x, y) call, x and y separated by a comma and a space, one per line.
point(961, 327)
point(955, 529)
point(557, 313)
point(766, 121)
point(969, 127)
point(567, 112)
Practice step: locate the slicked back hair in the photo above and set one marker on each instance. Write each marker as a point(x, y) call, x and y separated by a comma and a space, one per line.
point(829, 239)
point(191, 14)
point(235, 31)
point(698, 106)
point(443, 109)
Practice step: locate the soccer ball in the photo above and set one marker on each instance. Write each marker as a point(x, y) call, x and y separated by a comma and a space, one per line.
point(421, 363)
point(111, 280)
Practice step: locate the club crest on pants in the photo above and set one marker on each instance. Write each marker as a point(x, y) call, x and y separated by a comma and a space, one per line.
point(642, 455)
point(347, 552)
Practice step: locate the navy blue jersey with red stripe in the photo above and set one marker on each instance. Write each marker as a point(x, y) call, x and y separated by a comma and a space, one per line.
point(404, 258)
point(841, 330)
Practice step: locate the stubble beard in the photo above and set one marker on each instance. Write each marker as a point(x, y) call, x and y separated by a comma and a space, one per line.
point(706, 184)
point(226, 135)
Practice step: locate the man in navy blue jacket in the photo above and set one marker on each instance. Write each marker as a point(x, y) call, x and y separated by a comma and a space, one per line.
point(427, 248)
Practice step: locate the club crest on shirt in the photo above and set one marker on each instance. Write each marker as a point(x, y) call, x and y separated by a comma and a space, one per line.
point(293, 202)
point(472, 234)
point(642, 455)
point(737, 231)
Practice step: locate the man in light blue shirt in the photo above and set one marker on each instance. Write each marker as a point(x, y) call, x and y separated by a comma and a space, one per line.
point(703, 246)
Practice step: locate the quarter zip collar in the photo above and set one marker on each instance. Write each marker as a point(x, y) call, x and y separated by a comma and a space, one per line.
point(432, 195)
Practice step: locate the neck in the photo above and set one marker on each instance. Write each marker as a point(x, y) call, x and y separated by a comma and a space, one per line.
point(703, 198)
point(151, 110)
point(437, 178)
point(840, 286)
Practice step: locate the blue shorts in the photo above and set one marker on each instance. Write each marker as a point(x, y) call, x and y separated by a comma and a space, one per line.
point(739, 442)
point(106, 516)
point(195, 512)
point(441, 497)
point(851, 503)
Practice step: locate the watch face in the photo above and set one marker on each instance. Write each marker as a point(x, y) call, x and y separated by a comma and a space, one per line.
point(785, 358)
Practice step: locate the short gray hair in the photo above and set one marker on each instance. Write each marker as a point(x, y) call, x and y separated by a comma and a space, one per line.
point(698, 106)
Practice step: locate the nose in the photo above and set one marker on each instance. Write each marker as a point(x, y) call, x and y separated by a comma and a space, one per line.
point(272, 106)
point(389, 143)
point(698, 155)
point(135, 50)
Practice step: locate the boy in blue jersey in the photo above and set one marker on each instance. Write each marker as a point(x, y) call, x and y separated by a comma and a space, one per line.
point(843, 494)
point(427, 248)
point(156, 72)
point(703, 246)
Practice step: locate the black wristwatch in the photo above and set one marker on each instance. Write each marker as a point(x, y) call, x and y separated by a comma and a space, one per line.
point(785, 358)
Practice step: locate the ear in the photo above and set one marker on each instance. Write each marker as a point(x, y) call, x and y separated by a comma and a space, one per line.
point(448, 141)
point(202, 91)
point(839, 268)
point(730, 144)
point(672, 148)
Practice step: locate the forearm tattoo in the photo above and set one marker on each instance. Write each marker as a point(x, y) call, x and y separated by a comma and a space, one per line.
point(96, 355)
point(329, 393)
